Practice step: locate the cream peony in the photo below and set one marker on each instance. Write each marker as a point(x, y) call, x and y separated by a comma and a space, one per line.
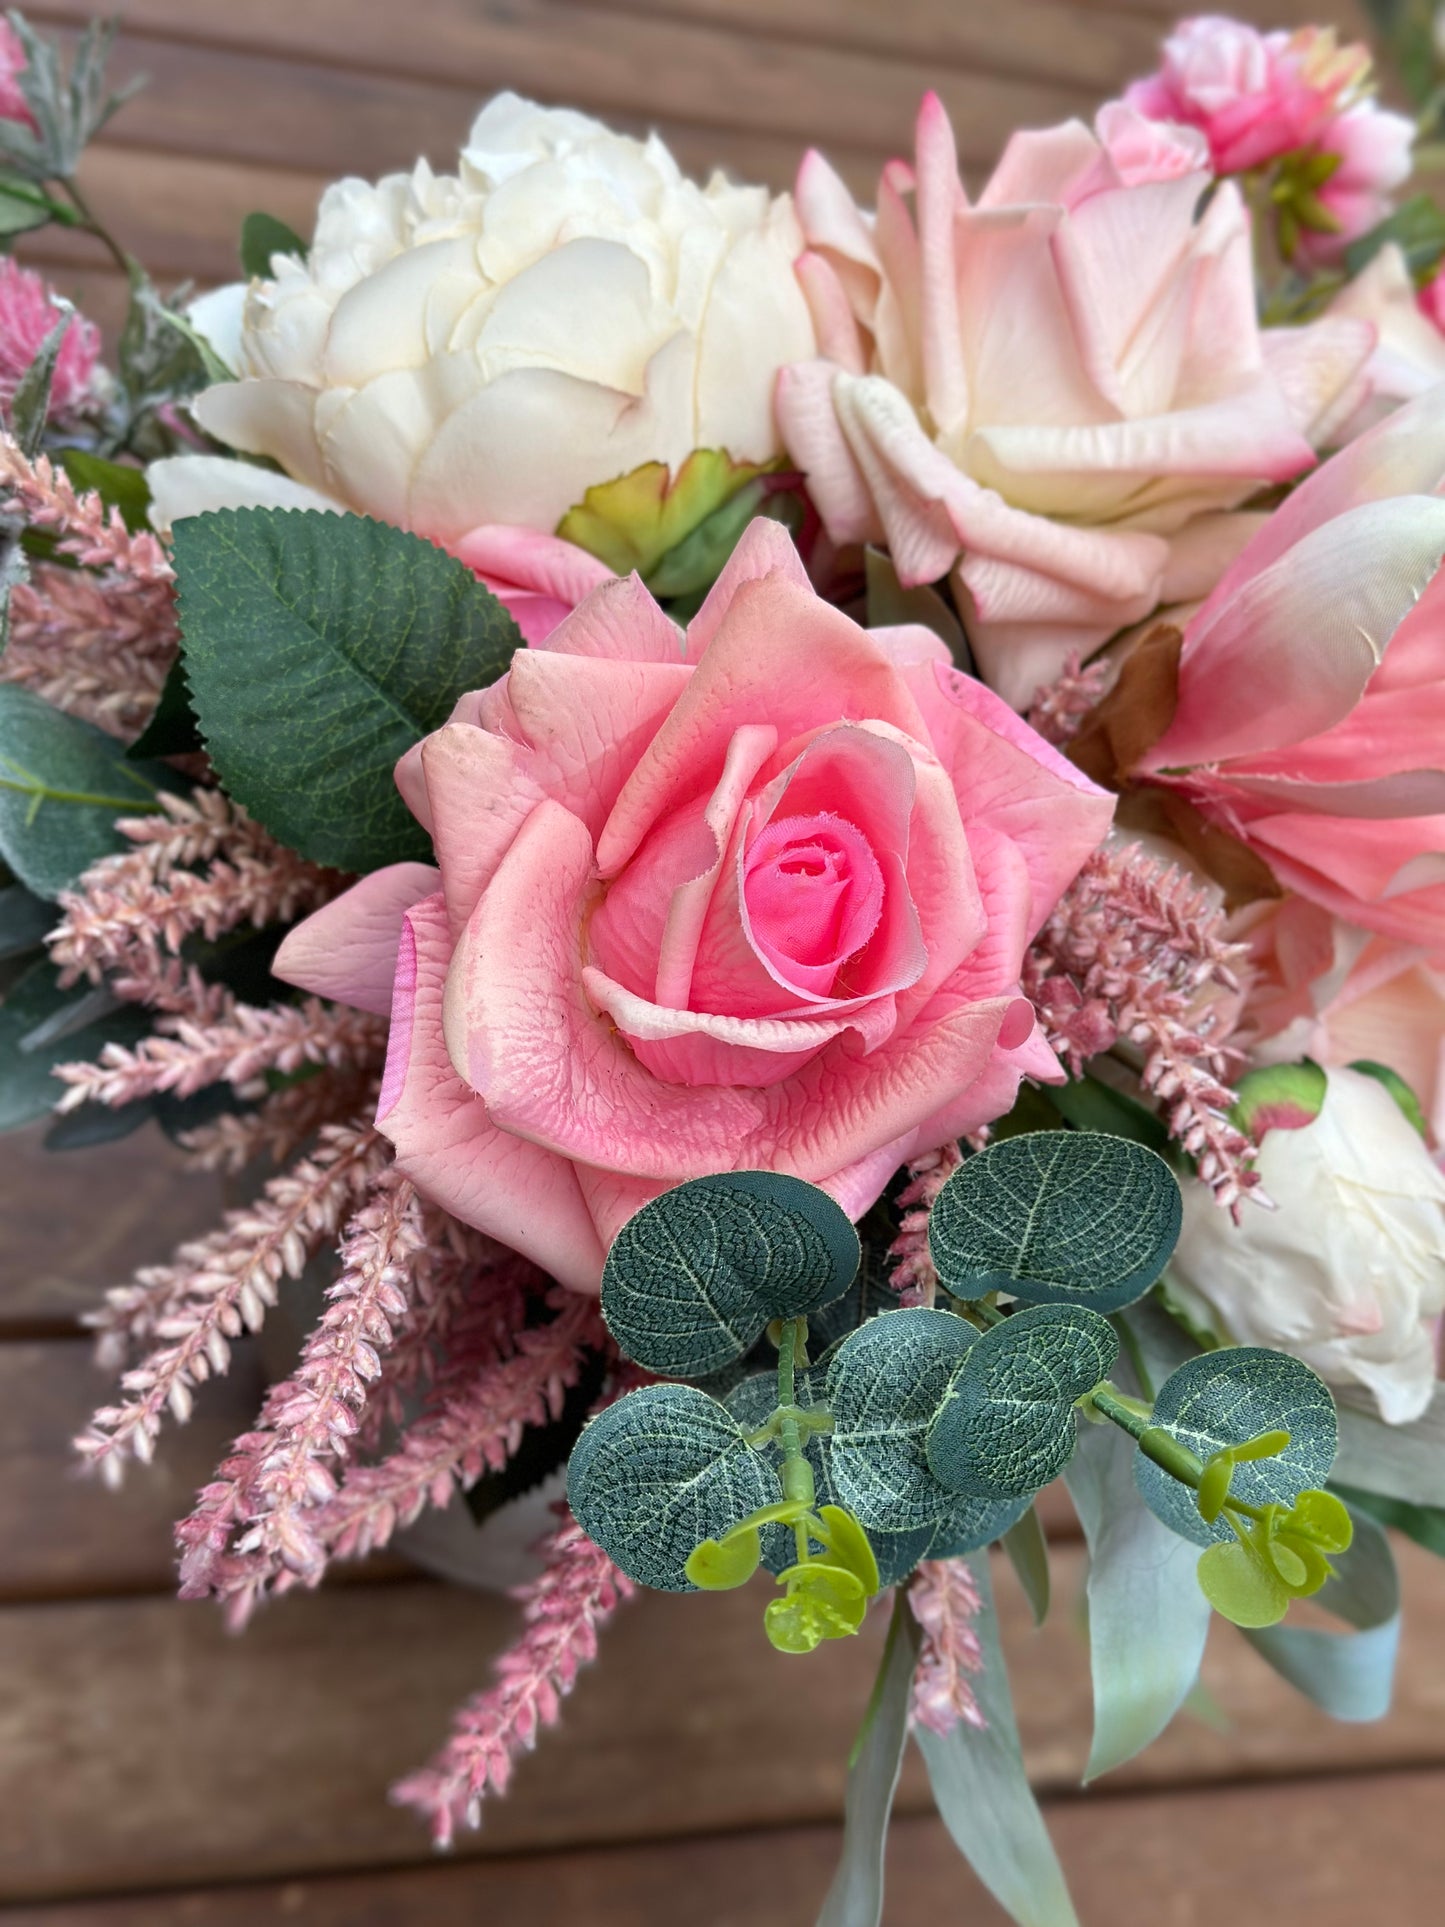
point(481, 348)
point(1349, 1272)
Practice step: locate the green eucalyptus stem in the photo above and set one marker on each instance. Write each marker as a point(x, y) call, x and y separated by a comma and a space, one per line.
point(1158, 1444)
point(796, 1473)
point(1135, 1354)
point(95, 226)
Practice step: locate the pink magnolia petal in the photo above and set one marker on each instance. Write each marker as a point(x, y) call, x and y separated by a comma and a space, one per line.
point(839, 337)
point(528, 559)
point(514, 1191)
point(347, 949)
point(939, 199)
point(829, 214)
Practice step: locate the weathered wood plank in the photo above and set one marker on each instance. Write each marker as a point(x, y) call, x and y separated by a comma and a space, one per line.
point(169, 1753)
point(62, 1534)
point(77, 1221)
point(1258, 1856)
point(371, 71)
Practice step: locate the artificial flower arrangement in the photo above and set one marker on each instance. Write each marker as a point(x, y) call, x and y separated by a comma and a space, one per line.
point(806, 841)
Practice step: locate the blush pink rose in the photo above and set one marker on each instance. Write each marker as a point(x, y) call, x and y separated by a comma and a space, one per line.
point(752, 896)
point(1254, 96)
point(1061, 388)
point(1409, 355)
point(1311, 706)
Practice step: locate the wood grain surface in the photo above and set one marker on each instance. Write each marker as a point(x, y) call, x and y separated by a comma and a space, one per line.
point(155, 1772)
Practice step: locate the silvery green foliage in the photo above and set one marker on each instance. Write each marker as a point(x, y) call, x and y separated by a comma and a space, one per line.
point(30, 403)
point(693, 1279)
point(884, 1386)
point(68, 109)
point(1007, 1426)
point(751, 1404)
point(1055, 1217)
point(1224, 1398)
point(655, 1474)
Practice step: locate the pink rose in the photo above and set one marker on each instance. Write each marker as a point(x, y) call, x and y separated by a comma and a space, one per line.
point(1376, 153)
point(1062, 384)
point(1254, 96)
point(1324, 989)
point(752, 896)
point(1409, 355)
point(28, 312)
point(1311, 701)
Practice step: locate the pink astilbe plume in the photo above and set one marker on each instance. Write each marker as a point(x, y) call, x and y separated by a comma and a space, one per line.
point(913, 1276)
point(224, 1042)
point(190, 1310)
point(129, 908)
point(29, 309)
point(1060, 706)
point(1134, 953)
point(253, 1522)
point(473, 1425)
point(282, 1123)
point(96, 645)
point(563, 1609)
point(944, 1599)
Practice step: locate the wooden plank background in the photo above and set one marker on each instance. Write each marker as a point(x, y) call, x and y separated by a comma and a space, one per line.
point(154, 1772)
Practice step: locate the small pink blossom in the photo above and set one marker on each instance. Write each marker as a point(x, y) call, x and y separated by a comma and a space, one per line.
point(1375, 149)
point(13, 104)
point(29, 310)
point(1254, 96)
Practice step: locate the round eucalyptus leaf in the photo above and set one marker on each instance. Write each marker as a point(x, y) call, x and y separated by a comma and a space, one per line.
point(1225, 1398)
point(884, 1386)
point(1007, 1425)
point(695, 1277)
point(752, 1402)
point(655, 1474)
point(1057, 1217)
point(974, 1523)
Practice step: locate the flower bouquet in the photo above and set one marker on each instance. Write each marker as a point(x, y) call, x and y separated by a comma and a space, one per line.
point(797, 850)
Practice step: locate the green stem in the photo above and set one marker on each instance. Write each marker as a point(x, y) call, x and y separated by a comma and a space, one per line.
point(94, 225)
point(797, 1474)
point(1159, 1445)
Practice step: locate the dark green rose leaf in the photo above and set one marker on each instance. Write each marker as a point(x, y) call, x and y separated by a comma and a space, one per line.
point(655, 1474)
point(1007, 1426)
point(1226, 1398)
point(1057, 1217)
point(694, 1278)
point(319, 648)
point(262, 235)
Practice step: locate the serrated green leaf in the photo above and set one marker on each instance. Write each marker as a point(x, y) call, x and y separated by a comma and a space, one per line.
point(855, 1899)
point(656, 1474)
point(884, 1387)
point(118, 484)
point(172, 729)
point(1404, 1094)
point(1057, 1217)
point(1350, 1675)
point(262, 235)
point(1007, 1425)
point(319, 648)
point(63, 783)
point(695, 1277)
point(983, 1794)
point(1148, 1620)
point(1224, 1398)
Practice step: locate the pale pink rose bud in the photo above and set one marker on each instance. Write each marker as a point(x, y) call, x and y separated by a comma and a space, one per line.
point(1375, 149)
point(1254, 96)
point(28, 312)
